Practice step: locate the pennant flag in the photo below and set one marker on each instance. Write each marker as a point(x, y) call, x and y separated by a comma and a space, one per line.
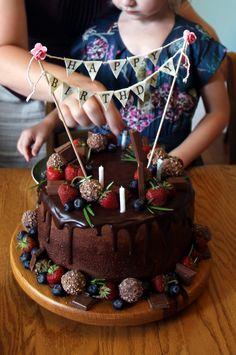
point(139, 89)
point(154, 55)
point(92, 68)
point(136, 62)
point(168, 67)
point(122, 95)
point(71, 65)
point(105, 97)
point(116, 66)
point(66, 90)
point(54, 83)
point(83, 96)
point(153, 80)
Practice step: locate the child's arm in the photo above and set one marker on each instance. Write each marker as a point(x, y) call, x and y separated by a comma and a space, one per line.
point(215, 98)
point(32, 139)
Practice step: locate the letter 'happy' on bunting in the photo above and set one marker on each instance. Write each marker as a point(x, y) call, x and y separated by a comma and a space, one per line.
point(154, 56)
point(71, 65)
point(136, 62)
point(168, 67)
point(105, 97)
point(116, 66)
point(92, 68)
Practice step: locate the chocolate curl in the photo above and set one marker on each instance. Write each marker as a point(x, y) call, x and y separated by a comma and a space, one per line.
point(141, 160)
point(64, 123)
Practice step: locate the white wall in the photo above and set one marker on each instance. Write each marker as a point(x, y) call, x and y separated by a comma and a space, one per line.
point(221, 15)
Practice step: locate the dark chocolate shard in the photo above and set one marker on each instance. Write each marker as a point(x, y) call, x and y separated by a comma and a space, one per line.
point(84, 301)
point(185, 274)
point(159, 301)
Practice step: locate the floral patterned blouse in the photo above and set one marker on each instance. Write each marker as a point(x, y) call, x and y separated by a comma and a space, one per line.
point(103, 42)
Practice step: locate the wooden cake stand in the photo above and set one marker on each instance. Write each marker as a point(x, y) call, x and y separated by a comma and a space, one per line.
point(102, 313)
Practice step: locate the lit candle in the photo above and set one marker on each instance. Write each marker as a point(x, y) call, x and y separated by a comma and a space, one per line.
point(122, 199)
point(123, 140)
point(101, 175)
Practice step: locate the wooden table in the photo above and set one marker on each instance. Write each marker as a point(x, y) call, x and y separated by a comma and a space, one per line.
point(206, 327)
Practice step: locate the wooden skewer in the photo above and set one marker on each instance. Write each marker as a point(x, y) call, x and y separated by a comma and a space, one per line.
point(64, 122)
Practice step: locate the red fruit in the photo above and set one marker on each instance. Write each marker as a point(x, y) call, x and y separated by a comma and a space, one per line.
point(157, 196)
point(188, 262)
point(109, 200)
point(67, 193)
point(109, 291)
point(146, 149)
point(55, 173)
point(71, 171)
point(80, 172)
point(54, 274)
point(147, 174)
point(26, 244)
point(77, 142)
point(159, 283)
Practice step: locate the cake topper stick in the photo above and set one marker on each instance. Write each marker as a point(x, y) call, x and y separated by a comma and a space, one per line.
point(189, 38)
point(141, 160)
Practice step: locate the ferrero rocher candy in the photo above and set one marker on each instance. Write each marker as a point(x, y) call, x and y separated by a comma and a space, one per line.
point(130, 290)
point(29, 219)
point(159, 153)
point(97, 142)
point(172, 166)
point(90, 189)
point(73, 282)
point(55, 161)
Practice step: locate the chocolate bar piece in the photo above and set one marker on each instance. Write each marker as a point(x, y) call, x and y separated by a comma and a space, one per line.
point(34, 258)
point(52, 186)
point(84, 301)
point(66, 152)
point(180, 182)
point(185, 274)
point(159, 301)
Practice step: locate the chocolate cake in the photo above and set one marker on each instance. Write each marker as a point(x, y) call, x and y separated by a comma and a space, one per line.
point(137, 244)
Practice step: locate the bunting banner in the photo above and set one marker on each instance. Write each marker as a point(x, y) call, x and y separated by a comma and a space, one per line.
point(71, 65)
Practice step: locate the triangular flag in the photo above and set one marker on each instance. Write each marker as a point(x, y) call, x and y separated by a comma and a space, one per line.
point(153, 80)
point(92, 68)
point(83, 96)
point(122, 95)
point(139, 89)
point(168, 67)
point(54, 83)
point(66, 90)
point(105, 97)
point(136, 62)
point(116, 66)
point(71, 65)
point(154, 55)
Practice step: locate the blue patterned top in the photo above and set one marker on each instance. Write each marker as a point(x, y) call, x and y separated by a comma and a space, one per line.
point(103, 42)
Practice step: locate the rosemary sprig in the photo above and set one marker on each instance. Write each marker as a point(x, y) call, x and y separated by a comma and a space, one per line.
point(128, 156)
point(86, 211)
point(154, 209)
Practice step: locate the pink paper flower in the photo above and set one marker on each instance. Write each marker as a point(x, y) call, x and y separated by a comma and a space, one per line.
point(190, 36)
point(39, 51)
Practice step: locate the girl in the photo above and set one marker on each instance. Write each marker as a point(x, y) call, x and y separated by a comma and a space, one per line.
point(137, 28)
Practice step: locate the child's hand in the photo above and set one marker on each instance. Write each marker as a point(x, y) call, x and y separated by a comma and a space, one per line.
point(32, 139)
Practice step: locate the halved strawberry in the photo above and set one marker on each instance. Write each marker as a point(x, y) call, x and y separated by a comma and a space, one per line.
point(157, 196)
point(26, 244)
point(67, 193)
point(109, 199)
point(54, 174)
point(54, 274)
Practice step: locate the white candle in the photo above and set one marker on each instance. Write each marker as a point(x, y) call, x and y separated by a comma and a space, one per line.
point(123, 140)
point(122, 199)
point(159, 169)
point(101, 175)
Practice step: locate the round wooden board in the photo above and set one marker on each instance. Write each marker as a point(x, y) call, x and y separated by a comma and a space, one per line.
point(103, 313)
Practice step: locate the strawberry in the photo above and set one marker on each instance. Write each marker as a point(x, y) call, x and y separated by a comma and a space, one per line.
point(146, 149)
point(77, 142)
point(188, 262)
point(54, 173)
point(26, 244)
point(67, 193)
point(71, 171)
point(157, 196)
point(147, 174)
point(109, 291)
point(159, 283)
point(109, 200)
point(80, 172)
point(54, 274)
point(170, 189)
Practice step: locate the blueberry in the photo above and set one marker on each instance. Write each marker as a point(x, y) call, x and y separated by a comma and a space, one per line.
point(34, 250)
point(112, 147)
point(58, 290)
point(26, 264)
point(42, 277)
point(93, 290)
point(25, 256)
point(79, 203)
point(153, 169)
point(174, 290)
point(139, 204)
point(89, 169)
point(133, 185)
point(69, 206)
point(33, 232)
point(21, 234)
point(118, 303)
